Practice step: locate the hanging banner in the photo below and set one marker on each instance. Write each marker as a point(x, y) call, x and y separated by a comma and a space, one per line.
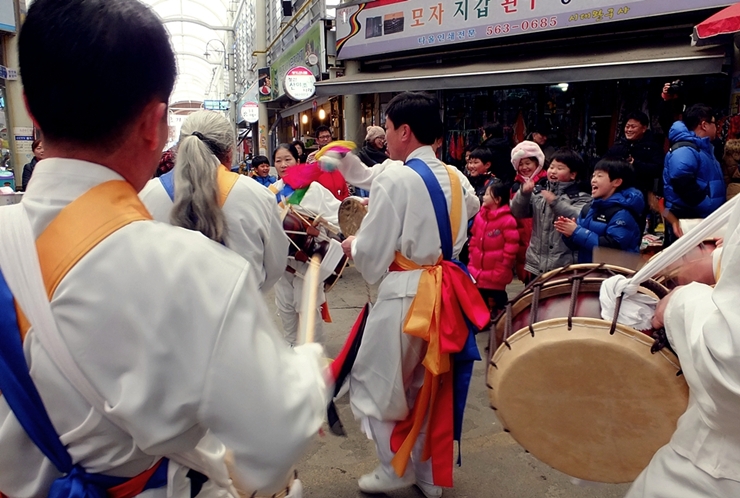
point(264, 84)
point(251, 112)
point(387, 26)
point(7, 16)
point(307, 51)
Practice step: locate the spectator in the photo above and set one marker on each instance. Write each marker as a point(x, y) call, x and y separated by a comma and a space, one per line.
point(612, 219)
point(639, 148)
point(166, 163)
point(301, 148)
point(261, 169)
point(560, 196)
point(373, 151)
point(37, 147)
point(323, 137)
point(500, 148)
point(493, 246)
point(694, 186)
point(539, 135)
point(528, 161)
point(479, 170)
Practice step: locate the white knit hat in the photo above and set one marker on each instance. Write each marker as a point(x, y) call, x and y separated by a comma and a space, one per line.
point(374, 132)
point(527, 149)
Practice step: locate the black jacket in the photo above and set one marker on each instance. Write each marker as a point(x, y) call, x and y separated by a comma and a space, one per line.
point(371, 156)
point(648, 161)
point(28, 171)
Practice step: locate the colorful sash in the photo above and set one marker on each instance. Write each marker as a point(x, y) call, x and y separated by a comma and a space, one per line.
point(446, 312)
point(73, 233)
point(225, 179)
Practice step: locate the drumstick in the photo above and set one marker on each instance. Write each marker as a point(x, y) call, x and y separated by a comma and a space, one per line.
point(310, 295)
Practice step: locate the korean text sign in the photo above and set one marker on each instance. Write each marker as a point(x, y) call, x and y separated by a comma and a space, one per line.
point(386, 26)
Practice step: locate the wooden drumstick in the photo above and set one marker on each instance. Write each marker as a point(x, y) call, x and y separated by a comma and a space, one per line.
point(307, 318)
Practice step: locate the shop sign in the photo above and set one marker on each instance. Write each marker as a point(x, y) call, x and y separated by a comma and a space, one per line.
point(7, 73)
point(386, 26)
point(216, 105)
point(300, 83)
point(308, 51)
point(251, 112)
point(264, 84)
point(7, 16)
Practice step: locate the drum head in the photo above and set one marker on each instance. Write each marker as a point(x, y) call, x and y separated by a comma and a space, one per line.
point(351, 213)
point(592, 405)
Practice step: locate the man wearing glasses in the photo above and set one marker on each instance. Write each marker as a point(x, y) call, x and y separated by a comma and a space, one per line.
point(694, 186)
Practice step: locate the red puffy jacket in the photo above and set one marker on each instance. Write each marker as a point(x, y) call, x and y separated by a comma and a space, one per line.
point(493, 246)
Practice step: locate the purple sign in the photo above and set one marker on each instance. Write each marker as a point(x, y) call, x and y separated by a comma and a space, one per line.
point(386, 26)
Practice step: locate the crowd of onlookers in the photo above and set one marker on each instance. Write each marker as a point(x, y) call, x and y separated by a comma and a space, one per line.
point(544, 208)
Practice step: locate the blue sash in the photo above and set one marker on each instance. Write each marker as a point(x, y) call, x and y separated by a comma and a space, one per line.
point(24, 400)
point(168, 182)
point(462, 371)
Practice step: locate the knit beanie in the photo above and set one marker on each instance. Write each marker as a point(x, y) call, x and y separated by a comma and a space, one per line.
point(527, 149)
point(374, 132)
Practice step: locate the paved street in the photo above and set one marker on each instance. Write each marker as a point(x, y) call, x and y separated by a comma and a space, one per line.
point(494, 465)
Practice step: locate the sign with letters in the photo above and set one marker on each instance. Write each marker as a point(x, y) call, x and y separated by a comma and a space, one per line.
point(387, 26)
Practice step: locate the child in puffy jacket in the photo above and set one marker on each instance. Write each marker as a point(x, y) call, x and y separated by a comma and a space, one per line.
point(494, 242)
point(611, 221)
point(528, 161)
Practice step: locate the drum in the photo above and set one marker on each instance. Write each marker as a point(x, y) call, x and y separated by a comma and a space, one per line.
point(309, 237)
point(351, 213)
point(584, 395)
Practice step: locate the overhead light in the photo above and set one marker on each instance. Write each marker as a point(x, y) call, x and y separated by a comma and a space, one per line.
point(322, 114)
point(304, 119)
point(563, 86)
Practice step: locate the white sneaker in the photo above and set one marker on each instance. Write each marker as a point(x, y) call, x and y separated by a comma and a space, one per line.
point(296, 490)
point(429, 490)
point(378, 481)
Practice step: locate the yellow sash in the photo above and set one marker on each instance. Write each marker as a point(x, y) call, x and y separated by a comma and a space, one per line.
point(79, 227)
point(423, 320)
point(226, 180)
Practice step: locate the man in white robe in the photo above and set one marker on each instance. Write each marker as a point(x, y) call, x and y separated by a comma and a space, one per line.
point(167, 326)
point(702, 324)
point(388, 373)
point(254, 228)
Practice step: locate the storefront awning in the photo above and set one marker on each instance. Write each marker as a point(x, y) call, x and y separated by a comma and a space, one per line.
point(666, 61)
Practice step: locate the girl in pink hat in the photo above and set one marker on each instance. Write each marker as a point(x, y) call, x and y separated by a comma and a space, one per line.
point(528, 161)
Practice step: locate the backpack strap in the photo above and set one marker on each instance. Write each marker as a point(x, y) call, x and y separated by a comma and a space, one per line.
point(683, 143)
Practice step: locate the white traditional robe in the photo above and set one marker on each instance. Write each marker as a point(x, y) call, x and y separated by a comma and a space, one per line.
point(170, 328)
point(254, 228)
point(400, 218)
point(703, 326)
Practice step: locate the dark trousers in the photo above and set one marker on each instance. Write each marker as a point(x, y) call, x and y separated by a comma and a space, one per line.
point(495, 300)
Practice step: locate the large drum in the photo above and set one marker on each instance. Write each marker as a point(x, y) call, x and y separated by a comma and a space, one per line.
point(584, 395)
point(310, 236)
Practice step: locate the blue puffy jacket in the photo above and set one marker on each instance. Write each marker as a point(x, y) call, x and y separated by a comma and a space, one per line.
point(609, 223)
point(694, 186)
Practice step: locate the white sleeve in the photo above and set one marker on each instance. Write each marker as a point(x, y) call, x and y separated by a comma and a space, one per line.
point(371, 250)
point(356, 173)
point(263, 399)
point(276, 248)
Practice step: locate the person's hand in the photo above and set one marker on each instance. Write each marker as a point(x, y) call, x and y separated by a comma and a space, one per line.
point(666, 87)
point(549, 196)
point(347, 246)
point(718, 242)
point(566, 226)
point(528, 187)
point(676, 226)
point(658, 320)
point(696, 266)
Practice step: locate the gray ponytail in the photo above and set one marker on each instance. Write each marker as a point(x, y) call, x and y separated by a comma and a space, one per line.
point(206, 138)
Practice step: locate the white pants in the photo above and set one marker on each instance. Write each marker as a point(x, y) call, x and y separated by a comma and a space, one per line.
point(288, 299)
point(670, 475)
point(381, 432)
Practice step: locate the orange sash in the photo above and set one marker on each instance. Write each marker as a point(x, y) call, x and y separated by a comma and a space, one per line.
point(81, 226)
point(226, 180)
